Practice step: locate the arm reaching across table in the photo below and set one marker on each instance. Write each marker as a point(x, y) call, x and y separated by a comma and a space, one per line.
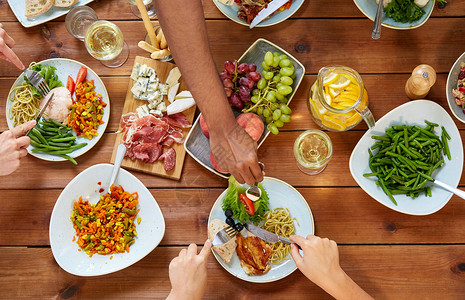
point(184, 27)
point(6, 43)
point(320, 264)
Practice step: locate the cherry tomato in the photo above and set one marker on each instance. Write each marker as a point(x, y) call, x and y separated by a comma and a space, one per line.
point(81, 76)
point(249, 207)
point(70, 85)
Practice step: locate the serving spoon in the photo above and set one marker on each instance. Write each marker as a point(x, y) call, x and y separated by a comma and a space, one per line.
point(453, 190)
point(376, 31)
point(120, 152)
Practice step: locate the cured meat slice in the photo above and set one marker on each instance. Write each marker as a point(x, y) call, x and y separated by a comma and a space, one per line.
point(149, 152)
point(128, 119)
point(169, 158)
point(168, 142)
point(178, 120)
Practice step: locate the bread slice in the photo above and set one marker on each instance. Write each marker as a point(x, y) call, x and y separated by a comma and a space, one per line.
point(65, 3)
point(226, 250)
point(37, 7)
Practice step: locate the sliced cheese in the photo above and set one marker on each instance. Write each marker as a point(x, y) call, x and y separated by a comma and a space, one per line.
point(180, 105)
point(183, 94)
point(172, 92)
point(173, 76)
point(142, 111)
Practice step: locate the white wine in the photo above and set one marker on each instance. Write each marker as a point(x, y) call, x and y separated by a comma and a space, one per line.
point(104, 40)
point(313, 150)
point(146, 2)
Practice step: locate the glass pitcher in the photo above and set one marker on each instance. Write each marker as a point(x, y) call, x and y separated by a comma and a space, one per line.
point(338, 101)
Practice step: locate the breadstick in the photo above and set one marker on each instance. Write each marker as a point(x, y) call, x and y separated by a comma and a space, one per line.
point(163, 43)
point(159, 54)
point(159, 34)
point(147, 23)
point(147, 47)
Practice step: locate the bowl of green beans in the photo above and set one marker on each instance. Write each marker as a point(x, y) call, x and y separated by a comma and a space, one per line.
point(396, 161)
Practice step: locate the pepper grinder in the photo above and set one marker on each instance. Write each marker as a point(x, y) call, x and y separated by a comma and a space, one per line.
point(422, 79)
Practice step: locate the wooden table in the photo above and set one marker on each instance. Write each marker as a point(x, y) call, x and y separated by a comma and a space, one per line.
point(391, 255)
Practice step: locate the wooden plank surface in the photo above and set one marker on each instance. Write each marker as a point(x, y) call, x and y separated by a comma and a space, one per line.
point(162, 70)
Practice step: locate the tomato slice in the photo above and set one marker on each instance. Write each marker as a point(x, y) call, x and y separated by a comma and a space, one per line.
point(81, 76)
point(249, 207)
point(70, 85)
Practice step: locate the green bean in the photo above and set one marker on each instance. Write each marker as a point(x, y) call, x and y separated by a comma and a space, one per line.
point(69, 158)
point(446, 145)
point(387, 191)
point(39, 136)
point(65, 139)
point(431, 124)
point(57, 152)
point(445, 132)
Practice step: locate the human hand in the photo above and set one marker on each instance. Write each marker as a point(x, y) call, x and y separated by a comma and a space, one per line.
point(188, 273)
point(13, 147)
point(6, 43)
point(236, 152)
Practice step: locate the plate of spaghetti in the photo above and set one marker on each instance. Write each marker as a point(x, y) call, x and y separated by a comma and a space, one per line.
point(23, 105)
point(288, 214)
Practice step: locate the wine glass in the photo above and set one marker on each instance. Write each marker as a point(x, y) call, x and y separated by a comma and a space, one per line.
point(78, 19)
point(148, 5)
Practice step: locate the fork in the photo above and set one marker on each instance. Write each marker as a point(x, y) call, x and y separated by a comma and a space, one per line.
point(37, 81)
point(224, 235)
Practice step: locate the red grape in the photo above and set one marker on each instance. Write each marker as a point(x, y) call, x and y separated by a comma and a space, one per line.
point(228, 83)
point(236, 101)
point(245, 98)
point(255, 76)
point(228, 91)
point(244, 81)
point(252, 68)
point(224, 75)
point(244, 91)
point(229, 66)
point(243, 68)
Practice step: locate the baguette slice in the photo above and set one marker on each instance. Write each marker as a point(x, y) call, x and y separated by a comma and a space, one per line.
point(65, 3)
point(226, 250)
point(37, 7)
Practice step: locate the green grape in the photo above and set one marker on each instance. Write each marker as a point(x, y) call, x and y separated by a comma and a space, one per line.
point(276, 54)
point(256, 92)
point(260, 110)
point(284, 100)
point(271, 96)
point(277, 78)
point(279, 123)
point(284, 63)
point(274, 106)
point(286, 80)
point(275, 62)
point(284, 89)
point(285, 118)
point(261, 83)
point(268, 58)
point(286, 71)
point(282, 56)
point(293, 76)
point(269, 119)
point(263, 73)
point(266, 113)
point(254, 110)
point(272, 128)
point(265, 66)
point(277, 114)
point(254, 99)
point(280, 97)
point(268, 75)
point(279, 84)
point(285, 109)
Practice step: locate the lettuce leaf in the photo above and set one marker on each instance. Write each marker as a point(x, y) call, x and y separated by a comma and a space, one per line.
point(405, 11)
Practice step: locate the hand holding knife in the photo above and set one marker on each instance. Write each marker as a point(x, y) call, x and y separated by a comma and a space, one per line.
point(268, 236)
point(268, 10)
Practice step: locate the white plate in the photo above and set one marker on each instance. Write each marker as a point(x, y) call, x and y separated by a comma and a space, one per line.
point(230, 11)
point(150, 231)
point(281, 194)
point(65, 67)
point(18, 8)
point(411, 113)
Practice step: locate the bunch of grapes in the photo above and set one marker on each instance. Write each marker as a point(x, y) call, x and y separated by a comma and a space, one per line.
point(269, 99)
point(239, 81)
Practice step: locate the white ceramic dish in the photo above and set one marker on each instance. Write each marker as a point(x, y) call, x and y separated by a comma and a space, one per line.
point(18, 8)
point(452, 80)
point(411, 113)
point(369, 8)
point(281, 194)
point(150, 231)
point(65, 67)
point(230, 11)
point(197, 145)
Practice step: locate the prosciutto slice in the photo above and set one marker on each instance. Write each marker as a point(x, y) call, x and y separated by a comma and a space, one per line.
point(145, 137)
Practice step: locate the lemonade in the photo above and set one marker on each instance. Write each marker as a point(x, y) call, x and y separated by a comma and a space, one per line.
point(338, 103)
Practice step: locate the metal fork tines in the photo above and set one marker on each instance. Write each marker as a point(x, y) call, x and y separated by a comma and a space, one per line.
point(224, 235)
point(37, 81)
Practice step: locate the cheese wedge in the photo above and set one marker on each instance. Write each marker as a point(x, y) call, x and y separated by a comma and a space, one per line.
point(180, 105)
point(173, 76)
point(183, 94)
point(37, 7)
point(172, 92)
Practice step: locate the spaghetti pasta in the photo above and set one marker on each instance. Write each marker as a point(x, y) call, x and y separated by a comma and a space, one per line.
point(25, 106)
point(279, 221)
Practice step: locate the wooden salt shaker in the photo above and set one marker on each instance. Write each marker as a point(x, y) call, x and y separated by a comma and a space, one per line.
point(422, 79)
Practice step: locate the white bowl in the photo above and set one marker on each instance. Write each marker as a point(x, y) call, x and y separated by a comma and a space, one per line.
point(150, 231)
point(411, 113)
point(452, 84)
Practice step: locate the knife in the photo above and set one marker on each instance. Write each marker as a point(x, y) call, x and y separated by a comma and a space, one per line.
point(266, 235)
point(41, 112)
point(268, 10)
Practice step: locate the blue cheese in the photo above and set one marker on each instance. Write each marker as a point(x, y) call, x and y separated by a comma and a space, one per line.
point(142, 111)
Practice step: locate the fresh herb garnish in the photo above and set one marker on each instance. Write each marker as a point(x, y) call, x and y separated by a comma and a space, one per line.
point(405, 11)
point(48, 73)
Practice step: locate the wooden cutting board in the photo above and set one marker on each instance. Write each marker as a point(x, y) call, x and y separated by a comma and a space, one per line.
point(131, 104)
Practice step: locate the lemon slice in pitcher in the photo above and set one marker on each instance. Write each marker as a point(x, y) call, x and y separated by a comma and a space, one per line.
point(331, 78)
point(340, 83)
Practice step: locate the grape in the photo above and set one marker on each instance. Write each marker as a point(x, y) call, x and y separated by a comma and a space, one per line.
point(286, 71)
point(277, 114)
point(286, 80)
point(284, 63)
point(229, 66)
point(277, 78)
point(268, 58)
point(236, 101)
point(271, 96)
point(260, 110)
point(255, 92)
point(245, 98)
point(261, 83)
point(284, 100)
point(280, 97)
point(244, 81)
point(254, 110)
point(284, 90)
point(224, 75)
point(228, 91)
point(279, 123)
point(254, 99)
point(282, 56)
point(293, 76)
point(228, 83)
point(266, 113)
point(252, 67)
point(269, 119)
point(285, 118)
point(275, 61)
point(265, 66)
point(244, 91)
point(254, 75)
point(243, 68)
point(276, 54)
point(285, 109)
point(268, 75)
point(272, 128)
